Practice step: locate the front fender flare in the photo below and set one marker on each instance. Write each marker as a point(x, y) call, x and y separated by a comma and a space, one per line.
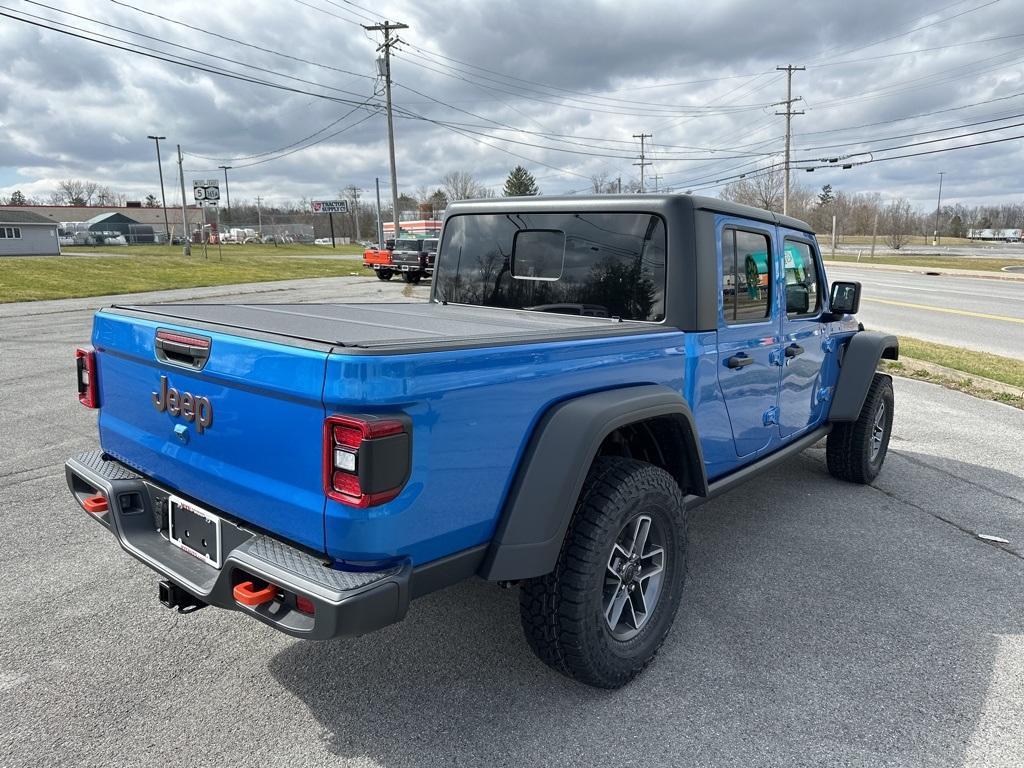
point(857, 369)
point(554, 467)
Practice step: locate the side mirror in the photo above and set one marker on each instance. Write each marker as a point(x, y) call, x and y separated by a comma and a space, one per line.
point(844, 298)
point(798, 299)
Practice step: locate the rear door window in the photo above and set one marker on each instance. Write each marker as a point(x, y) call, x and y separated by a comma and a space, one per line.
point(590, 264)
point(746, 276)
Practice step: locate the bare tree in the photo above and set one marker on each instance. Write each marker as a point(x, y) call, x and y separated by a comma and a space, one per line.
point(761, 189)
point(899, 220)
point(460, 185)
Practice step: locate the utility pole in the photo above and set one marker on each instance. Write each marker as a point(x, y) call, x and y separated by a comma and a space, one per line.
point(163, 197)
point(380, 224)
point(387, 28)
point(643, 156)
point(186, 249)
point(259, 216)
point(874, 234)
point(353, 192)
point(620, 184)
point(789, 69)
point(656, 178)
point(938, 208)
point(227, 189)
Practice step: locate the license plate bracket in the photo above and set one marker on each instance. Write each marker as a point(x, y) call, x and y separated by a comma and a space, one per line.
point(194, 530)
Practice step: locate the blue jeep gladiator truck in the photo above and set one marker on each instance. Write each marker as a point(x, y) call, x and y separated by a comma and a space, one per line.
point(585, 372)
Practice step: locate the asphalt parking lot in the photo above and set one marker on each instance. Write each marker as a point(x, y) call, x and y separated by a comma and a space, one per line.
point(823, 623)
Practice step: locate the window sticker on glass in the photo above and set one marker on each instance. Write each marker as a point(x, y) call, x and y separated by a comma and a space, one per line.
point(538, 254)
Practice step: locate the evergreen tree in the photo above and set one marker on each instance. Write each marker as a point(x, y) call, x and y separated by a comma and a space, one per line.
point(17, 198)
point(520, 182)
point(825, 197)
point(151, 201)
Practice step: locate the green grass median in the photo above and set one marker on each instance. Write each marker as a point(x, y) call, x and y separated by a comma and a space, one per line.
point(94, 272)
point(926, 261)
point(981, 374)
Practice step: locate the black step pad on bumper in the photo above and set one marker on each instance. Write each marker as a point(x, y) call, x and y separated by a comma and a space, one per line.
point(346, 603)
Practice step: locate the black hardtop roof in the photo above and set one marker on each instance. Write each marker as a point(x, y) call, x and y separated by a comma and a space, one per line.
point(657, 203)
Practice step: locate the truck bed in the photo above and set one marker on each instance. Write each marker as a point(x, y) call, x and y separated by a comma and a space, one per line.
point(386, 328)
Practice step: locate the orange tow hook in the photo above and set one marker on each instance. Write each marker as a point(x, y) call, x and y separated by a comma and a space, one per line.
point(95, 504)
point(247, 594)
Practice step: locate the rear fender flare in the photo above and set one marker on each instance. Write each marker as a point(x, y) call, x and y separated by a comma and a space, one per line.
point(554, 467)
point(857, 369)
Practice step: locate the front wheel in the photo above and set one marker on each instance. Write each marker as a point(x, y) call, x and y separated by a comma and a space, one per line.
point(602, 614)
point(855, 451)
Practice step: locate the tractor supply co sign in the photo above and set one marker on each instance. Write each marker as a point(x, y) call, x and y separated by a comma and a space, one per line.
point(329, 206)
point(206, 191)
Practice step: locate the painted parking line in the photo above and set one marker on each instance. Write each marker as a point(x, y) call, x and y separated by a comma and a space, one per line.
point(947, 310)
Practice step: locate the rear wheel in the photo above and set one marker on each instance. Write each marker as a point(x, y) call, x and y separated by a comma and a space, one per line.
point(411, 277)
point(384, 274)
point(602, 614)
point(855, 451)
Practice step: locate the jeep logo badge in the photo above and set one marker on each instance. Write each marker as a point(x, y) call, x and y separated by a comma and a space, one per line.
point(184, 404)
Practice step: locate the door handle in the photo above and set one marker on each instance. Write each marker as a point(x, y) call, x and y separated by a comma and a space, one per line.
point(793, 350)
point(739, 361)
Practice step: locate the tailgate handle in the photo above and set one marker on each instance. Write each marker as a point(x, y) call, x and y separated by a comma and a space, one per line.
point(182, 349)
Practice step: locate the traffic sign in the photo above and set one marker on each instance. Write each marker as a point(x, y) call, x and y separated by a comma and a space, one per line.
point(206, 191)
point(329, 206)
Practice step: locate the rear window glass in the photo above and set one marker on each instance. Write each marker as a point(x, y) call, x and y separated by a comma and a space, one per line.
point(430, 245)
point(407, 245)
point(593, 264)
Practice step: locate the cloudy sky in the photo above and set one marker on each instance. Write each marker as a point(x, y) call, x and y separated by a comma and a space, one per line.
point(560, 87)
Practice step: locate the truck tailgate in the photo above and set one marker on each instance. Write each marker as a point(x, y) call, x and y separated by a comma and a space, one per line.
point(259, 456)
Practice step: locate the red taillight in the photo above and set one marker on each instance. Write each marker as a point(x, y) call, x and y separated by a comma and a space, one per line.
point(366, 460)
point(85, 369)
point(305, 605)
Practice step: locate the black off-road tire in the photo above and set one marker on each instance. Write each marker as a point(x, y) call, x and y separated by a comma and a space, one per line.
point(563, 613)
point(384, 274)
point(411, 277)
point(854, 451)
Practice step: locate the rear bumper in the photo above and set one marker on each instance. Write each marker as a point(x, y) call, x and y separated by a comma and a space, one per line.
point(346, 603)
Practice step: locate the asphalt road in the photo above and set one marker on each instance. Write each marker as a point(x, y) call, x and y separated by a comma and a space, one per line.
point(979, 250)
point(823, 623)
point(977, 313)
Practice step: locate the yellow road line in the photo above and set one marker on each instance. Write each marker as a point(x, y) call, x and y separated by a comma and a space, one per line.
point(947, 310)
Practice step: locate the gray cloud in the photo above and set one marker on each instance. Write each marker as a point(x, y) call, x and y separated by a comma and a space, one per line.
point(72, 108)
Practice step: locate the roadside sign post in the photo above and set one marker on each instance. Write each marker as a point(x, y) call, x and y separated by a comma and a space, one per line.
point(207, 195)
point(330, 207)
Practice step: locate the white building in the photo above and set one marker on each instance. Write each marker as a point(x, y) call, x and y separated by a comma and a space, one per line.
point(23, 233)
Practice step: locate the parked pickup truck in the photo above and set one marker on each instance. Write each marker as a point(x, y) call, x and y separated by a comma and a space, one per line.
point(379, 260)
point(318, 467)
point(414, 258)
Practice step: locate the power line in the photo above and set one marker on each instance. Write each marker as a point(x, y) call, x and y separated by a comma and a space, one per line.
point(178, 60)
point(233, 40)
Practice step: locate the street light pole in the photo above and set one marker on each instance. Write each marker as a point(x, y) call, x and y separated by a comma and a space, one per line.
point(163, 196)
point(227, 189)
point(938, 208)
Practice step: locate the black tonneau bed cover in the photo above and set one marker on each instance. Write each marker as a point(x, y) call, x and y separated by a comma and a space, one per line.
point(386, 328)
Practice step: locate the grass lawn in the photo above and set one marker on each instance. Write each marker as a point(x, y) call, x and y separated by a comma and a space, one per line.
point(937, 262)
point(153, 268)
point(1002, 369)
point(962, 365)
point(825, 239)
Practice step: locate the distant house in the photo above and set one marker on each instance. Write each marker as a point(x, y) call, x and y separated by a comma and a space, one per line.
point(114, 224)
point(23, 233)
